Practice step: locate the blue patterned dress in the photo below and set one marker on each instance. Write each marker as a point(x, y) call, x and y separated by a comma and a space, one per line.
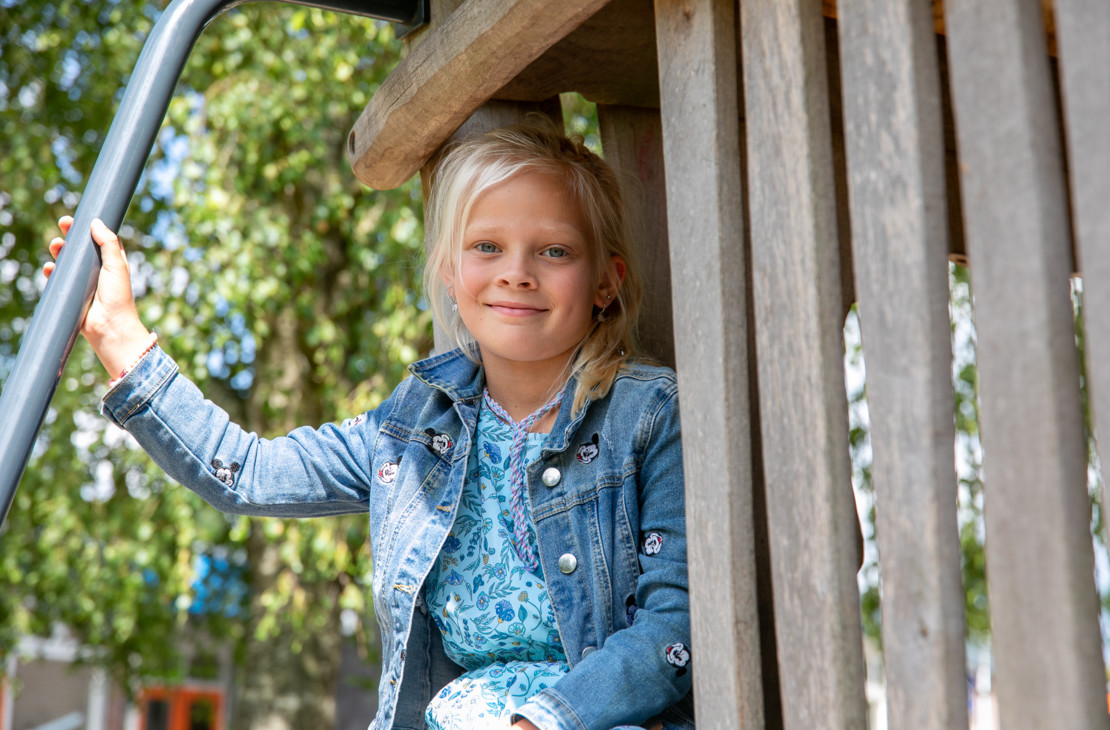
point(494, 614)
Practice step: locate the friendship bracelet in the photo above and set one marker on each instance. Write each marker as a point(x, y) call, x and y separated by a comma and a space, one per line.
point(152, 341)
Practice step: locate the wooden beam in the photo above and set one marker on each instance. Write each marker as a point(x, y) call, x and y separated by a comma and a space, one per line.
point(457, 67)
point(1040, 563)
point(1084, 27)
point(701, 146)
point(799, 324)
point(894, 136)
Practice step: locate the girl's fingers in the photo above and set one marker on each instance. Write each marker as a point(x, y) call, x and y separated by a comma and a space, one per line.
point(64, 223)
point(110, 247)
point(48, 268)
point(56, 246)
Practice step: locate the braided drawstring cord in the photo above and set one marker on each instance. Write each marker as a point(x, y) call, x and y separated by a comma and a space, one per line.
point(516, 471)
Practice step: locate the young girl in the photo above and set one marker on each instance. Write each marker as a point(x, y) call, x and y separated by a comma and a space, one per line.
point(525, 490)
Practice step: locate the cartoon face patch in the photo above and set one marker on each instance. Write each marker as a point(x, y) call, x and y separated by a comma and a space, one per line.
point(225, 474)
point(352, 422)
point(441, 442)
point(587, 452)
point(678, 656)
point(388, 472)
point(653, 543)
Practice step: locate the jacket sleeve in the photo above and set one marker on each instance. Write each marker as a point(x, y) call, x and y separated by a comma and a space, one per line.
point(310, 472)
point(645, 668)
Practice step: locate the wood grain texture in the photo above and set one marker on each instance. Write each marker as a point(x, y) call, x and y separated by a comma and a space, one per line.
point(455, 68)
point(698, 96)
point(895, 145)
point(798, 311)
point(632, 141)
point(1083, 33)
point(1044, 609)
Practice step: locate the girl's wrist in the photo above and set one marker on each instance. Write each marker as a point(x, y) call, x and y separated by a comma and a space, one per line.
point(123, 350)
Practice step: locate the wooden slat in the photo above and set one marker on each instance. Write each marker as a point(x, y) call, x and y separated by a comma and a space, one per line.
point(895, 145)
point(1044, 611)
point(456, 67)
point(698, 97)
point(1083, 33)
point(632, 141)
point(795, 260)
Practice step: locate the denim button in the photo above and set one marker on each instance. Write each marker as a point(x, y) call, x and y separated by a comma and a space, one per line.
point(551, 476)
point(567, 563)
point(588, 650)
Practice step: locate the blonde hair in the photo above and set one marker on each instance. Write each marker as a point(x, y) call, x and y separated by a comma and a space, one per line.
point(480, 162)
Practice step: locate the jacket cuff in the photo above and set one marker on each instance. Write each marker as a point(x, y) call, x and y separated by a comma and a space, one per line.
point(136, 388)
point(548, 711)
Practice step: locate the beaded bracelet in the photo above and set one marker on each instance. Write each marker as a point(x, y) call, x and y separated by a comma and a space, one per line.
point(153, 340)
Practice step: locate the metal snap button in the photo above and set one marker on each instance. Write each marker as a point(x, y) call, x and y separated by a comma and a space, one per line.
point(588, 650)
point(551, 476)
point(567, 563)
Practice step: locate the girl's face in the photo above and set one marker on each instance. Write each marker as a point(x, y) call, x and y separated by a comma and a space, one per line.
point(527, 284)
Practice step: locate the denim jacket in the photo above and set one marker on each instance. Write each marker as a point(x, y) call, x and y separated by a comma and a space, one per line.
point(606, 497)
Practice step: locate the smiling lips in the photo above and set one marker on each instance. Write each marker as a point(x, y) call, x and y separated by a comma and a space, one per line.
point(514, 309)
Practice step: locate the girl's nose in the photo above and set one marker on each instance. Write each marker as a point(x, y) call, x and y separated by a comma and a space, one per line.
point(517, 272)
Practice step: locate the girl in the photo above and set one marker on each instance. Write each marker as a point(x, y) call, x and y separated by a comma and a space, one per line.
point(525, 490)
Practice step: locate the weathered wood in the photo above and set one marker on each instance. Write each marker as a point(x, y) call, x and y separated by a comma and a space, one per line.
point(491, 115)
point(1083, 31)
point(698, 95)
point(797, 296)
point(456, 68)
point(632, 141)
point(1044, 609)
point(895, 144)
point(609, 59)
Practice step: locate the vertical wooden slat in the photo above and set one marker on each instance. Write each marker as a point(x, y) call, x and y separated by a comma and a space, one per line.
point(632, 141)
point(895, 145)
point(698, 98)
point(1044, 611)
point(1083, 44)
point(798, 308)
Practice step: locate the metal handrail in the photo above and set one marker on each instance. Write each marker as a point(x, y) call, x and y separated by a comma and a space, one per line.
point(57, 320)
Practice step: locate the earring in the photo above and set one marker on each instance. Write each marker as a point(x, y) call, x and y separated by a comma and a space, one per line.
point(454, 302)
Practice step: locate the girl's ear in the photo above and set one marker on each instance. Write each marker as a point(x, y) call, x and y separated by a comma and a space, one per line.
point(611, 277)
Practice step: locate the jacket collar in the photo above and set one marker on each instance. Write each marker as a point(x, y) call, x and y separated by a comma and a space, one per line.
point(462, 379)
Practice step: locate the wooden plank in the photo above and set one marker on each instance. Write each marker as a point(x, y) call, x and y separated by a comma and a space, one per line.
point(698, 97)
point(1083, 29)
point(798, 314)
point(609, 59)
point(895, 144)
point(632, 141)
point(1044, 610)
point(456, 67)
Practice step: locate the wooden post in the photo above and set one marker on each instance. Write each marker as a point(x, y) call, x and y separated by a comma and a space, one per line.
point(799, 324)
point(1044, 610)
point(896, 168)
point(1082, 30)
point(698, 97)
point(632, 140)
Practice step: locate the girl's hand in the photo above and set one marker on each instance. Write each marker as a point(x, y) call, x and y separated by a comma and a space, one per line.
point(524, 725)
point(112, 324)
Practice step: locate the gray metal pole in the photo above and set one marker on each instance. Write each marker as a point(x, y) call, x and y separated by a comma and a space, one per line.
point(57, 321)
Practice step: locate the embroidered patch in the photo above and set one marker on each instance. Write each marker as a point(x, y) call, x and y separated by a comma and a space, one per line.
point(630, 608)
point(653, 543)
point(388, 472)
point(587, 452)
point(441, 442)
point(352, 422)
point(225, 474)
point(678, 656)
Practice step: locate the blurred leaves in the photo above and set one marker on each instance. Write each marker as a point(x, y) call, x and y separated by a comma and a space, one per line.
point(283, 287)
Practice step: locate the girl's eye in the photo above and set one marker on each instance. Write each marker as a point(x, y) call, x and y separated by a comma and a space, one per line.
point(556, 252)
point(486, 247)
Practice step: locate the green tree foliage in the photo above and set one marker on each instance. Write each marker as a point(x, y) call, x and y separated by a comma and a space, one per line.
point(286, 290)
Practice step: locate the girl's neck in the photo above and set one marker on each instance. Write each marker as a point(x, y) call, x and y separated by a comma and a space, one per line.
point(523, 388)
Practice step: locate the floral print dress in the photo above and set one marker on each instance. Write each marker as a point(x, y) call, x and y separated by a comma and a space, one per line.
point(494, 614)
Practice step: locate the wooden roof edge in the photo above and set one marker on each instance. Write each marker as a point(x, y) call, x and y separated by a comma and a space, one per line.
point(457, 67)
